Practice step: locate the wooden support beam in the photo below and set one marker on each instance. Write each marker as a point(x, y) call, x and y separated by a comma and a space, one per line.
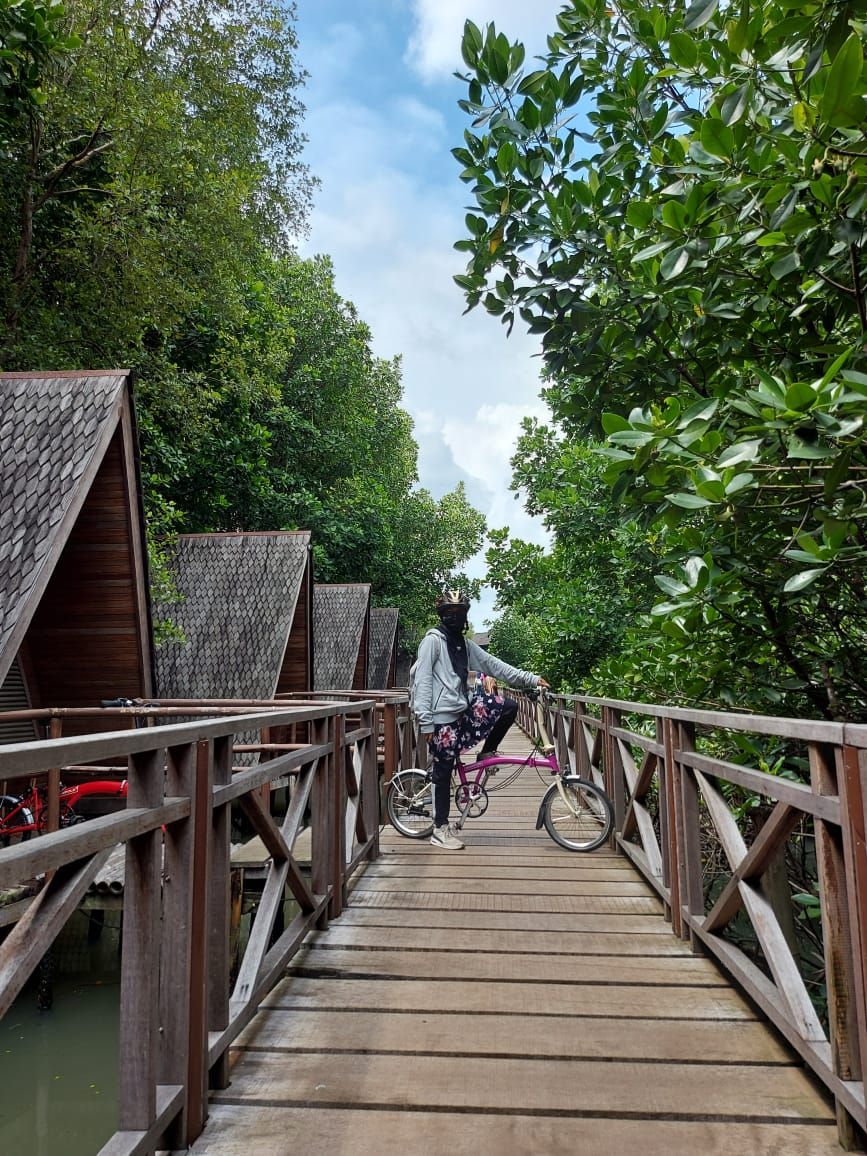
point(37, 856)
point(40, 923)
point(219, 909)
point(140, 960)
point(197, 1051)
point(264, 826)
point(177, 948)
point(838, 943)
point(777, 952)
point(778, 826)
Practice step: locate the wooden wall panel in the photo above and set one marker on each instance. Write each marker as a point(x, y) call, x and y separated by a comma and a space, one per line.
point(296, 673)
point(86, 638)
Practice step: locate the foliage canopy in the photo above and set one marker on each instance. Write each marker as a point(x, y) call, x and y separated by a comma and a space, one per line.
point(694, 265)
point(151, 189)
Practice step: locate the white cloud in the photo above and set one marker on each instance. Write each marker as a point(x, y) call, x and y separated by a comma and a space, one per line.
point(435, 46)
point(388, 211)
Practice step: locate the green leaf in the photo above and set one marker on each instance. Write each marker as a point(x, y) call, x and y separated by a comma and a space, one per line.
point(738, 32)
point(699, 411)
point(507, 156)
point(674, 215)
point(842, 77)
point(803, 580)
point(688, 501)
point(740, 482)
point(808, 451)
point(614, 423)
point(639, 214)
point(652, 251)
point(717, 138)
point(670, 585)
point(800, 396)
point(733, 455)
point(699, 13)
point(631, 437)
point(674, 263)
point(683, 49)
point(785, 265)
point(803, 116)
point(735, 105)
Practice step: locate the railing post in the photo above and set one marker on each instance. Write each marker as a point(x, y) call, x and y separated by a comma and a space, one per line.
point(669, 776)
point(843, 907)
point(389, 736)
point(582, 755)
point(139, 984)
point(613, 780)
point(197, 1064)
point(55, 729)
point(320, 808)
point(370, 802)
point(219, 910)
point(689, 844)
point(337, 866)
point(177, 945)
point(408, 754)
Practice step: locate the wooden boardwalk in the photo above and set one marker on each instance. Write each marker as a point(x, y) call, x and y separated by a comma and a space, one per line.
point(511, 998)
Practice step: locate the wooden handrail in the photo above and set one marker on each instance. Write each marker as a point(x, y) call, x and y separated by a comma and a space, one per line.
point(658, 771)
point(178, 1014)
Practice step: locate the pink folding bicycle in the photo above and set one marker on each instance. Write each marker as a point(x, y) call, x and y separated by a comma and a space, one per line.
point(575, 812)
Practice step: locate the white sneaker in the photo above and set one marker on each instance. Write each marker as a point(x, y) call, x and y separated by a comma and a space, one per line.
point(445, 837)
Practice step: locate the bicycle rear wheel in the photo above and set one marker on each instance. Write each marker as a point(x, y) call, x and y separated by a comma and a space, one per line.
point(409, 804)
point(583, 820)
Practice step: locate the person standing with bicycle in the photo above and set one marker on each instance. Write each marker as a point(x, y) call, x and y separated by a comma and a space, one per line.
point(446, 716)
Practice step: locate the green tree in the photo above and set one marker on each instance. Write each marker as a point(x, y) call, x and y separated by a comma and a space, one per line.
point(580, 594)
point(516, 638)
point(283, 417)
point(32, 36)
point(161, 154)
point(694, 266)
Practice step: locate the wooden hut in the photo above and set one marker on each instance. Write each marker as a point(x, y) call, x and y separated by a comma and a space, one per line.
point(246, 612)
point(74, 612)
point(382, 662)
point(341, 630)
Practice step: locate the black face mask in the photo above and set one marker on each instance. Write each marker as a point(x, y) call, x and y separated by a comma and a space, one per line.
point(452, 626)
point(455, 619)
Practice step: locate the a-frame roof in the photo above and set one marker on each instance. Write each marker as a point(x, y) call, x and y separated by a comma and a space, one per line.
point(383, 643)
point(239, 594)
point(341, 617)
point(73, 570)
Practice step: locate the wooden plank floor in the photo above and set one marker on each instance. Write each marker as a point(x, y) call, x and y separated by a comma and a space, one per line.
point(510, 998)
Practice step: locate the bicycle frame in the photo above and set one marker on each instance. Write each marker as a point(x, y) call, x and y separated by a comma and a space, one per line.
point(476, 773)
point(29, 812)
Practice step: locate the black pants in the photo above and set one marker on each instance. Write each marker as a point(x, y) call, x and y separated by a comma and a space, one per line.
point(464, 734)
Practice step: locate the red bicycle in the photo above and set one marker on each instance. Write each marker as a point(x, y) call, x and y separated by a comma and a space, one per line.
point(22, 815)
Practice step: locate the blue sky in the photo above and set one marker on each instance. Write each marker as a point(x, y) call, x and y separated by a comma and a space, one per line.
point(381, 119)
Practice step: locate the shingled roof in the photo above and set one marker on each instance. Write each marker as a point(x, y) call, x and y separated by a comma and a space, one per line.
point(383, 645)
point(242, 597)
point(73, 578)
point(341, 617)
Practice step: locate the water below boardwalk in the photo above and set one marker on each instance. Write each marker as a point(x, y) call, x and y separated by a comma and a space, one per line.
point(58, 1068)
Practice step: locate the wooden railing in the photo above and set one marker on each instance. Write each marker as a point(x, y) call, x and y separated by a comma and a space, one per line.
point(178, 1012)
point(666, 772)
point(396, 733)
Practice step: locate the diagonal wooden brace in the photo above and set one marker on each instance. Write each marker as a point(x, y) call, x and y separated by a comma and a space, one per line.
point(37, 928)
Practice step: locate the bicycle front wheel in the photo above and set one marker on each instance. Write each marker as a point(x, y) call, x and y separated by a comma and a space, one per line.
point(409, 804)
point(581, 821)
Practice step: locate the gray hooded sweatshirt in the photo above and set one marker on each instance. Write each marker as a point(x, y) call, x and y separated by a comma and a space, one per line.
point(438, 696)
